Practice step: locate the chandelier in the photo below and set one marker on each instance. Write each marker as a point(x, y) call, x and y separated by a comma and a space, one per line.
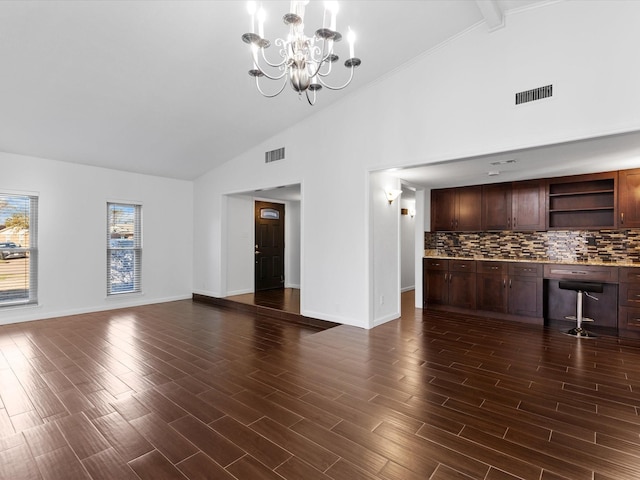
point(303, 61)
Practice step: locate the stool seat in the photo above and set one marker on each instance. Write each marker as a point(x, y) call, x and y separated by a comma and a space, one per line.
point(580, 288)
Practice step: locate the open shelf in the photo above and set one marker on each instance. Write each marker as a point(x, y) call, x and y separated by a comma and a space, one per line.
point(587, 201)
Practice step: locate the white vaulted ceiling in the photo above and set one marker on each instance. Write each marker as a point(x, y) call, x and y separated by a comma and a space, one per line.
point(161, 87)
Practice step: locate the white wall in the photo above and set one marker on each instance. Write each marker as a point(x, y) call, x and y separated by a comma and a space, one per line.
point(240, 245)
point(384, 239)
point(72, 235)
point(292, 240)
point(457, 101)
point(407, 245)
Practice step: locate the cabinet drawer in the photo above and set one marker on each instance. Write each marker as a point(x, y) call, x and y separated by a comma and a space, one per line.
point(585, 273)
point(525, 269)
point(436, 264)
point(499, 268)
point(629, 274)
point(629, 318)
point(462, 265)
point(629, 294)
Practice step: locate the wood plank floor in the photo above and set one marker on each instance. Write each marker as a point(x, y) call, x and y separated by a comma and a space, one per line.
point(185, 390)
point(285, 299)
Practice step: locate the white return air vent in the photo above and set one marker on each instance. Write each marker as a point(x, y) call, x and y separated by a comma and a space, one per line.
point(535, 94)
point(274, 155)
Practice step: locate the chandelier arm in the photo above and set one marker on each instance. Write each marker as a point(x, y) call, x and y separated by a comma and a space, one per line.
point(284, 84)
point(281, 43)
point(270, 77)
point(322, 62)
point(312, 103)
point(337, 88)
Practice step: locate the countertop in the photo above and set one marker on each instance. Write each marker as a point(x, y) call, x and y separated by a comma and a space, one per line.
point(538, 260)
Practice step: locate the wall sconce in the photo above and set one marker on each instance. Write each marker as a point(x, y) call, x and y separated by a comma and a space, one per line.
point(391, 194)
point(412, 212)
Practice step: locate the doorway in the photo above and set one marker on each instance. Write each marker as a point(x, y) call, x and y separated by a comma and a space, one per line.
point(269, 246)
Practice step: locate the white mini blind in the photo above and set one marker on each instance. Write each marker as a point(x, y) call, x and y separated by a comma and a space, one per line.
point(124, 248)
point(18, 249)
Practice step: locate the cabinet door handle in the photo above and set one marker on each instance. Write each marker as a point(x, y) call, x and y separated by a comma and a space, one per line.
point(508, 222)
point(622, 218)
point(504, 283)
point(452, 224)
point(514, 222)
point(494, 268)
point(509, 283)
point(456, 224)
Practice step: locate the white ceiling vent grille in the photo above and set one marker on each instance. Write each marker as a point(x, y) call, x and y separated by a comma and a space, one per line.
point(274, 155)
point(535, 94)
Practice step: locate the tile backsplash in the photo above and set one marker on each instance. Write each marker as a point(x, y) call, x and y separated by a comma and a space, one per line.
point(610, 246)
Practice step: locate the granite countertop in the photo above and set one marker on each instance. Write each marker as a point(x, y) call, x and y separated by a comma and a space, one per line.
point(538, 260)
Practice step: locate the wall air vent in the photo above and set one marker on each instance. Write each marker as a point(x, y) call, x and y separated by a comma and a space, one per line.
point(274, 155)
point(535, 94)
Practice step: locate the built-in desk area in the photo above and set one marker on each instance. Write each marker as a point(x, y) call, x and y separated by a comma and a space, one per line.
point(528, 291)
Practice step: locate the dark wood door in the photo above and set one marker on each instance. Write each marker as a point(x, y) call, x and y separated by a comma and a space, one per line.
point(629, 198)
point(442, 209)
point(437, 287)
point(528, 205)
point(462, 289)
point(269, 248)
point(496, 206)
point(468, 212)
point(491, 292)
point(525, 296)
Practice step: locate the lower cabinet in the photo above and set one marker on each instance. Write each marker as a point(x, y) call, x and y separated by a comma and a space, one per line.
point(450, 282)
point(514, 288)
point(629, 301)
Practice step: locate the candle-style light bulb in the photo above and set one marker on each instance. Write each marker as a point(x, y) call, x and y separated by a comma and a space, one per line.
point(251, 8)
point(351, 38)
point(333, 9)
point(261, 17)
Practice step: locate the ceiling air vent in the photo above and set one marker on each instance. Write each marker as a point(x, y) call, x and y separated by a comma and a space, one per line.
point(535, 94)
point(274, 155)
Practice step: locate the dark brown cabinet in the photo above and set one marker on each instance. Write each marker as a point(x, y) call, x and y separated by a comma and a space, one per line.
point(629, 198)
point(514, 206)
point(449, 282)
point(513, 288)
point(525, 289)
point(629, 301)
point(496, 207)
point(456, 209)
point(491, 292)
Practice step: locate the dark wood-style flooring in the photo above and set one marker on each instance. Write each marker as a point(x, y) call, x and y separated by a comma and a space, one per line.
point(284, 299)
point(187, 390)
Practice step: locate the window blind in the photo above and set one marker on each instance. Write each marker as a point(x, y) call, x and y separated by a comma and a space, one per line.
point(18, 249)
point(124, 248)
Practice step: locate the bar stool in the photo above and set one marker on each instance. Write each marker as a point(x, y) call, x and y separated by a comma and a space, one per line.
point(581, 288)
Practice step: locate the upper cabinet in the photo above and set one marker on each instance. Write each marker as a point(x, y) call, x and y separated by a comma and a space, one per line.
point(592, 201)
point(583, 201)
point(629, 198)
point(514, 206)
point(456, 209)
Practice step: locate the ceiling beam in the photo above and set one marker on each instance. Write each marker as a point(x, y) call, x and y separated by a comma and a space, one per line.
point(492, 13)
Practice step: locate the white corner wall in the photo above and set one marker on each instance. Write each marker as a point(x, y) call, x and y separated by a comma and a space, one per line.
point(72, 235)
point(384, 241)
point(454, 102)
point(407, 247)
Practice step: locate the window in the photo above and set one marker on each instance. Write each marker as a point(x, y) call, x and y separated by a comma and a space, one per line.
point(124, 248)
point(18, 249)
